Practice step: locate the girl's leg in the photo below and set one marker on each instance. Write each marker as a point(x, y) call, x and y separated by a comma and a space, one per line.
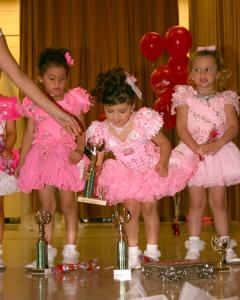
point(151, 221)
point(216, 201)
point(2, 218)
point(152, 225)
point(196, 209)
point(132, 227)
point(69, 210)
point(132, 230)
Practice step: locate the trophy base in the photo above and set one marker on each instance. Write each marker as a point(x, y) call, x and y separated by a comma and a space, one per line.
point(170, 271)
point(37, 271)
point(122, 275)
point(96, 201)
point(223, 268)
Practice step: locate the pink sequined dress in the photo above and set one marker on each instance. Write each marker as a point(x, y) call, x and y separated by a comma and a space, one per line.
point(47, 160)
point(206, 122)
point(132, 175)
point(8, 111)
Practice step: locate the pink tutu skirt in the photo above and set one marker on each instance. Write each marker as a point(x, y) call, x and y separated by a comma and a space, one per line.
point(220, 169)
point(121, 183)
point(50, 167)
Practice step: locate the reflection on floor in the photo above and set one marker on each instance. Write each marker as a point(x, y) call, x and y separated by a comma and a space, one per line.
point(99, 241)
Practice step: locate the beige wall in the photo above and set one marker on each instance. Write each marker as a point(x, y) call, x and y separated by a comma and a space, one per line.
point(183, 12)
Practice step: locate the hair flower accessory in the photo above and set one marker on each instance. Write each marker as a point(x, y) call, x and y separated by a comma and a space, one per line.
point(207, 48)
point(131, 80)
point(69, 59)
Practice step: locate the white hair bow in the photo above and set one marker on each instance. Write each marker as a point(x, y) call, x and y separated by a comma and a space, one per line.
point(131, 80)
point(207, 48)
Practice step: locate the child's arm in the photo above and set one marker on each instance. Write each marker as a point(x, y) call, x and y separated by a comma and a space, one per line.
point(229, 134)
point(76, 155)
point(165, 151)
point(11, 136)
point(27, 141)
point(182, 129)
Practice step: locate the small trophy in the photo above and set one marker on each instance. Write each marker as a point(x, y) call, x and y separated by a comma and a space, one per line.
point(42, 218)
point(119, 218)
point(220, 247)
point(92, 150)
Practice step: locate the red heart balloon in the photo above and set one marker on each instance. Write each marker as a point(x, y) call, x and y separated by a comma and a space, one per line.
point(152, 45)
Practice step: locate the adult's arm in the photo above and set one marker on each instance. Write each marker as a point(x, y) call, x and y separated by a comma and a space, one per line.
point(11, 68)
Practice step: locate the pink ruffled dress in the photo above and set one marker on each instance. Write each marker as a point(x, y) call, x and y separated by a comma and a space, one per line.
point(47, 160)
point(206, 122)
point(8, 111)
point(132, 175)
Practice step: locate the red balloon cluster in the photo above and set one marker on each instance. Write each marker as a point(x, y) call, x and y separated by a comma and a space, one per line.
point(177, 42)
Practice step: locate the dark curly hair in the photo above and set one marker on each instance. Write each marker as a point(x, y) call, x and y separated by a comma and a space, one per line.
point(111, 88)
point(52, 56)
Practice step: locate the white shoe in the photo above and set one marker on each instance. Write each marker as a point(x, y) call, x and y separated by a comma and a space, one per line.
point(70, 254)
point(153, 254)
point(194, 246)
point(133, 258)
point(52, 253)
point(2, 263)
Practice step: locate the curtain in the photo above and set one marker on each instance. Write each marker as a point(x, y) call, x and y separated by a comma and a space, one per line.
point(100, 34)
point(217, 22)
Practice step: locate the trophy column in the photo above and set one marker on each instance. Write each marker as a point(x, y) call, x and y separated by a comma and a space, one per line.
point(42, 218)
point(119, 219)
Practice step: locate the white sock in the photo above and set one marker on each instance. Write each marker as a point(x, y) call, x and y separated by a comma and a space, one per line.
point(133, 250)
point(152, 248)
point(70, 246)
point(194, 238)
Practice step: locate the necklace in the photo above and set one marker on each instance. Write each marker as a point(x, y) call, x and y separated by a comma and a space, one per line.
point(119, 130)
point(205, 98)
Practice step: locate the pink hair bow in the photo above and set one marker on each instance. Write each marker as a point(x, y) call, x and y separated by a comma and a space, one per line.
point(69, 59)
point(207, 48)
point(131, 80)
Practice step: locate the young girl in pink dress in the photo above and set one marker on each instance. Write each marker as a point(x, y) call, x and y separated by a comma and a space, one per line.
point(50, 156)
point(8, 156)
point(207, 123)
point(142, 171)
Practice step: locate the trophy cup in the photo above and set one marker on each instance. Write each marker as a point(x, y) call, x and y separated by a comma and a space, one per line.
point(119, 219)
point(42, 218)
point(92, 150)
point(220, 247)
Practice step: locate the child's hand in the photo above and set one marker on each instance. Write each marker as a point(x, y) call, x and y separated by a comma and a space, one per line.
point(162, 169)
point(75, 156)
point(213, 147)
point(97, 170)
point(6, 153)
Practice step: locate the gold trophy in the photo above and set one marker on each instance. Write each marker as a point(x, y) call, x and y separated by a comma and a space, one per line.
point(220, 248)
point(42, 218)
point(119, 218)
point(92, 150)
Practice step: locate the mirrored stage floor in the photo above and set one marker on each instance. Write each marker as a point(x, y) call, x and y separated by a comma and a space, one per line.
point(99, 241)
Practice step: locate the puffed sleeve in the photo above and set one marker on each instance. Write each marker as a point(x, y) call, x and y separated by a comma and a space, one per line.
point(180, 96)
point(81, 101)
point(95, 133)
point(231, 97)
point(150, 121)
point(27, 108)
point(8, 108)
